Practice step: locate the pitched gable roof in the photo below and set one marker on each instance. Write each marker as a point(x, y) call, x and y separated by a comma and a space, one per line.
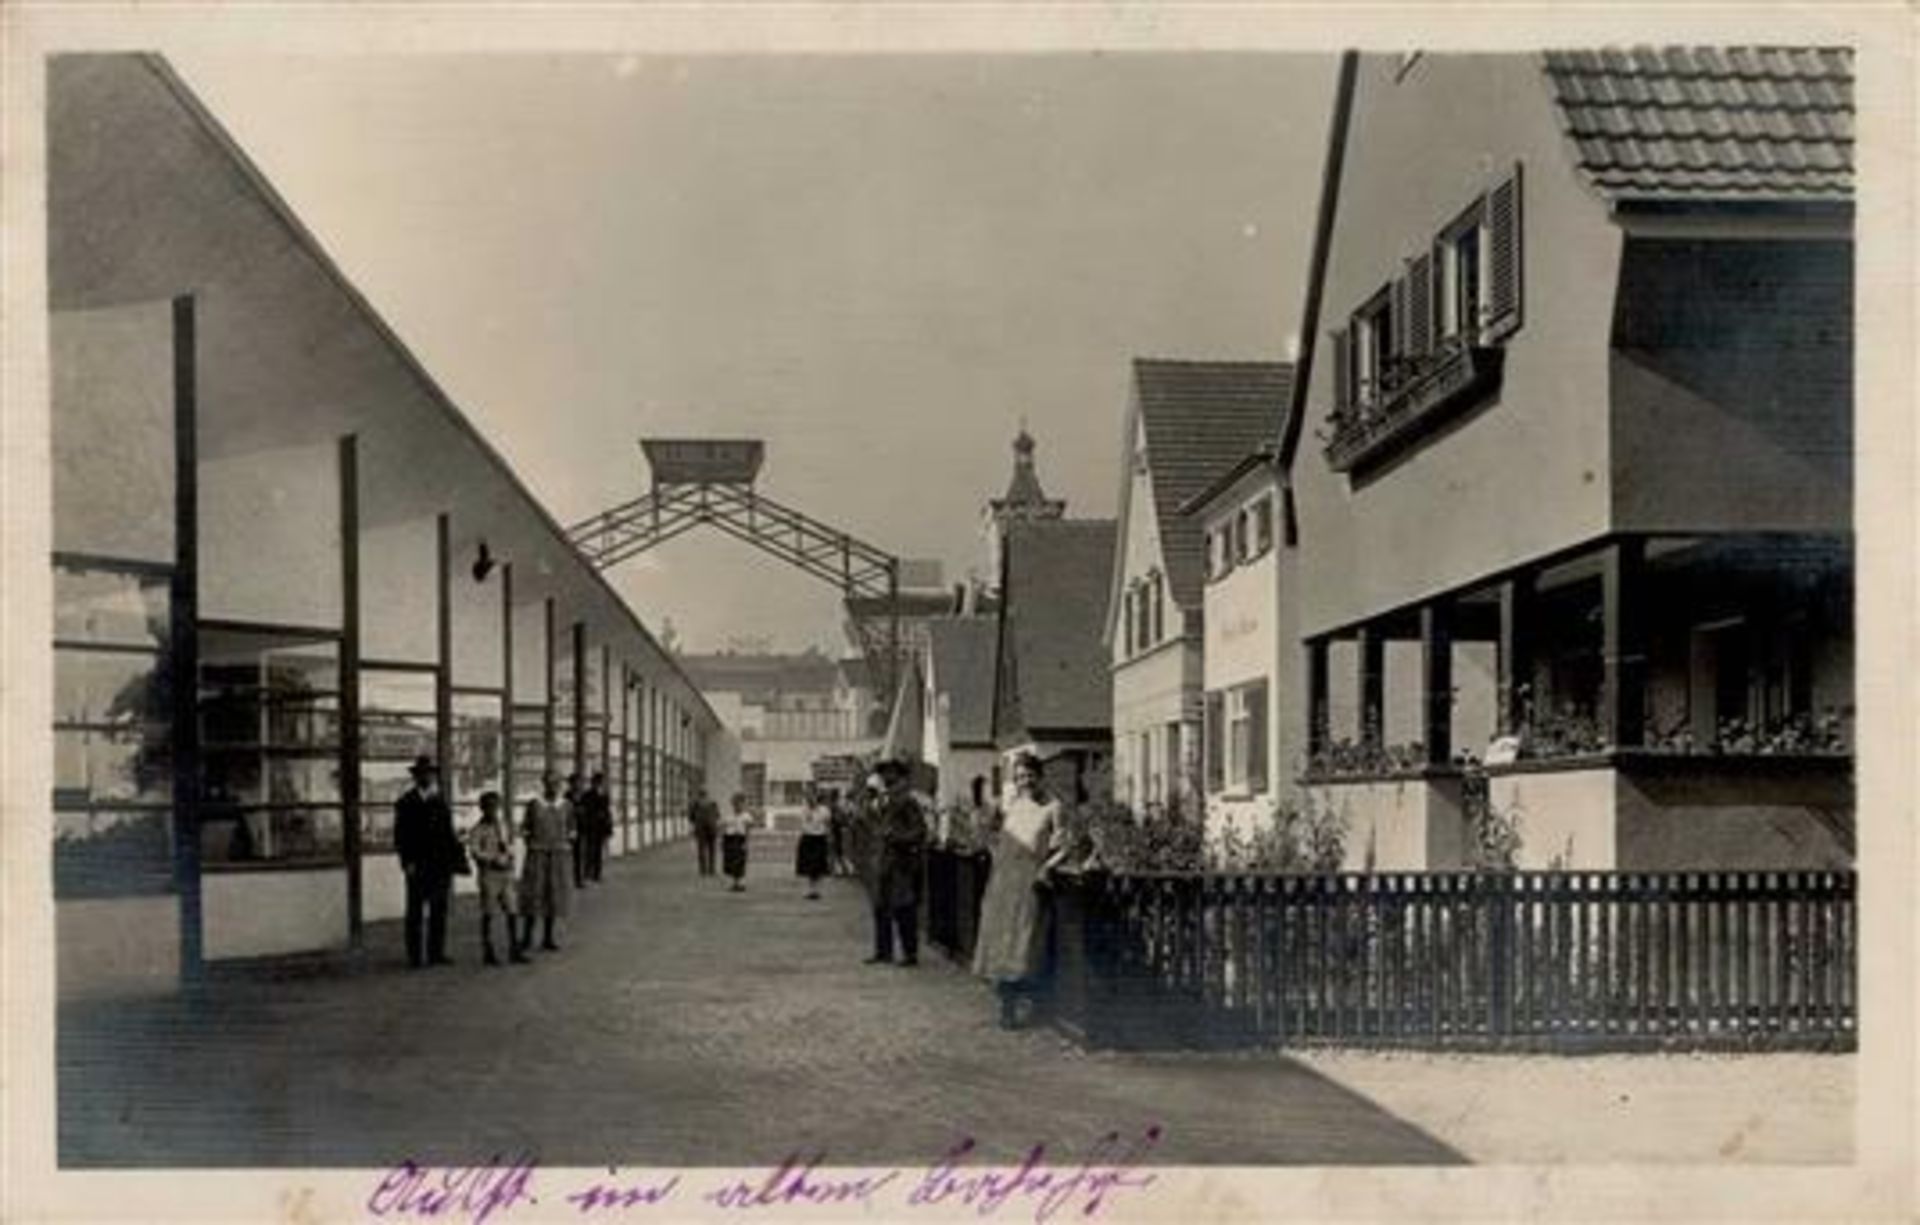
point(961, 651)
point(1762, 124)
point(1201, 418)
point(1054, 674)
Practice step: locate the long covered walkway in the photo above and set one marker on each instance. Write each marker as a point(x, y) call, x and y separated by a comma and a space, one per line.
point(681, 1025)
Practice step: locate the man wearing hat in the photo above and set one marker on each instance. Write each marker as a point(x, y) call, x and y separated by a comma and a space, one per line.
point(899, 853)
point(429, 851)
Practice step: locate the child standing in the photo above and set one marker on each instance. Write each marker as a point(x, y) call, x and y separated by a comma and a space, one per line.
point(493, 859)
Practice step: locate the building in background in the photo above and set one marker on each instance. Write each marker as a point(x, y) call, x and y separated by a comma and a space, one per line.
point(1248, 675)
point(1053, 691)
point(1024, 502)
point(790, 712)
point(284, 564)
point(958, 703)
point(1573, 470)
point(1186, 423)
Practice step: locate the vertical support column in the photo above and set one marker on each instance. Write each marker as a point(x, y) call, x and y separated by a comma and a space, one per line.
point(605, 764)
point(579, 764)
point(1516, 652)
point(350, 824)
point(507, 772)
point(183, 642)
point(1624, 648)
point(625, 789)
point(1319, 706)
point(1436, 677)
point(443, 632)
point(1373, 687)
point(546, 716)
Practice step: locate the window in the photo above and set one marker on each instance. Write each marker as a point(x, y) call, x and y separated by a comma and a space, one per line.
point(1159, 607)
point(1417, 346)
point(1262, 525)
point(397, 724)
point(112, 732)
point(1216, 730)
point(529, 750)
point(1374, 348)
point(269, 705)
point(1240, 537)
point(1459, 303)
point(479, 750)
point(1247, 737)
point(1126, 618)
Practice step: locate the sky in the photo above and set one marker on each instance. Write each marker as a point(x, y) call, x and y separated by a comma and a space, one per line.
point(882, 265)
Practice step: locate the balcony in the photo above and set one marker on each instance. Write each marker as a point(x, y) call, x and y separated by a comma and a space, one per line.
point(1419, 395)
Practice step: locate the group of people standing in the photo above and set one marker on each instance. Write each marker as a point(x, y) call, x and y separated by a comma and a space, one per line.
point(564, 838)
point(564, 835)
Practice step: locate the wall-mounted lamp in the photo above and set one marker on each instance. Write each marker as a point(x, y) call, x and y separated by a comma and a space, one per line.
point(483, 563)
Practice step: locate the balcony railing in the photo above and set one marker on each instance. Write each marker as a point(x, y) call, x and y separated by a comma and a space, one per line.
point(1417, 395)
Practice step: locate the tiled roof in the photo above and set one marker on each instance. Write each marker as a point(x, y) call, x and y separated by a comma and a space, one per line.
point(963, 669)
point(1201, 418)
point(1709, 123)
point(1055, 605)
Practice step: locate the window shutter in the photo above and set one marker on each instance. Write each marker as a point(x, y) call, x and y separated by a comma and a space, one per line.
point(1504, 257)
point(1419, 313)
point(1216, 731)
point(1341, 346)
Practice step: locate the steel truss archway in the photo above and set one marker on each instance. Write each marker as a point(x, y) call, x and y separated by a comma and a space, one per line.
point(711, 482)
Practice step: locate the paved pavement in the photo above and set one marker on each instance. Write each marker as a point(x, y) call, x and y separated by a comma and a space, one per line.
point(681, 1025)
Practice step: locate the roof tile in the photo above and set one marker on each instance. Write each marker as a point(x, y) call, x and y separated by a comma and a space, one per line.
point(1776, 123)
point(1201, 418)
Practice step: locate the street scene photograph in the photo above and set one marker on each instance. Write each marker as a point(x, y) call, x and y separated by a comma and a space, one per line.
point(969, 633)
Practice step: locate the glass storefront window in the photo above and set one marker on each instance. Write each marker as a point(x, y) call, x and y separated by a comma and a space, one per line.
point(269, 704)
point(94, 765)
point(529, 751)
point(100, 606)
point(479, 750)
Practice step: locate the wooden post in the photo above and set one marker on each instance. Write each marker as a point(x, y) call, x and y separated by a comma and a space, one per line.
point(350, 687)
point(1436, 673)
point(1515, 662)
point(183, 642)
point(443, 634)
point(1373, 687)
point(506, 699)
point(579, 764)
point(1319, 713)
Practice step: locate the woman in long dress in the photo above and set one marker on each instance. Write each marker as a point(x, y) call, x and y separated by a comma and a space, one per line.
point(546, 878)
point(1010, 950)
point(734, 828)
point(810, 856)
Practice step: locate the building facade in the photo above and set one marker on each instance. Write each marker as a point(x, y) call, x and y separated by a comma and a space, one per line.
point(1052, 692)
point(284, 565)
point(1254, 740)
point(958, 706)
point(1186, 423)
point(789, 713)
point(1575, 486)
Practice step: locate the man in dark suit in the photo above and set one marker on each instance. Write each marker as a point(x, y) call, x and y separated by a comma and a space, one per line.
point(596, 825)
point(428, 848)
point(899, 860)
point(704, 815)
